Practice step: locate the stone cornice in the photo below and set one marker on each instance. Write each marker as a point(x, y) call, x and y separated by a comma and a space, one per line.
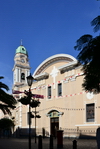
point(41, 76)
point(68, 66)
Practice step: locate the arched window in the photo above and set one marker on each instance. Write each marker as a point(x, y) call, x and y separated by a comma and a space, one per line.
point(22, 76)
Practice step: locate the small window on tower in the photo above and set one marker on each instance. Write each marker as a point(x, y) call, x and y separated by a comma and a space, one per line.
point(22, 76)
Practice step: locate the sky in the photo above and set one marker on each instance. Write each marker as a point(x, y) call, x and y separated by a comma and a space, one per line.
point(46, 28)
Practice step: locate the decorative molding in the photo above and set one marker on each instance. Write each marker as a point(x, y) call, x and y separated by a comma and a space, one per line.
point(41, 76)
point(66, 80)
point(73, 78)
point(67, 66)
point(53, 59)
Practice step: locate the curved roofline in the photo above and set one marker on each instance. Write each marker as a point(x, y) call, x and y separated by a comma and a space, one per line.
point(52, 57)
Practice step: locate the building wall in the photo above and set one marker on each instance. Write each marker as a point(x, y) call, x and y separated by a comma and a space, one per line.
point(71, 105)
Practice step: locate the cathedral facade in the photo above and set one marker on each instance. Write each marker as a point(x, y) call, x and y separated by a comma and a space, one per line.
point(66, 106)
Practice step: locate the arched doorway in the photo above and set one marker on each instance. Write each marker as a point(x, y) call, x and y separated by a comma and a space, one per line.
point(54, 122)
point(54, 125)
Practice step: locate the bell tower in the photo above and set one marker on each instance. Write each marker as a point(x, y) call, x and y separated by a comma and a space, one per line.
point(21, 67)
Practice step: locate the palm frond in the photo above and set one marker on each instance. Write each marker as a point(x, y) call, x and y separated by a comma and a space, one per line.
point(6, 98)
point(89, 57)
point(4, 86)
point(96, 23)
point(82, 42)
point(5, 109)
point(1, 77)
point(7, 101)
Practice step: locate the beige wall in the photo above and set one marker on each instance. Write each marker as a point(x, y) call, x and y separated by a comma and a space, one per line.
point(72, 103)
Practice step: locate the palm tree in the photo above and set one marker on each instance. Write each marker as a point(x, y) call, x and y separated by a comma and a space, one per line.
point(88, 56)
point(7, 101)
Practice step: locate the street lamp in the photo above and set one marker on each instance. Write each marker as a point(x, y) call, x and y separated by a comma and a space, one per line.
point(29, 81)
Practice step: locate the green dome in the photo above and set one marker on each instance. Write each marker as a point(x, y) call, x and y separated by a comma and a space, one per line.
point(21, 49)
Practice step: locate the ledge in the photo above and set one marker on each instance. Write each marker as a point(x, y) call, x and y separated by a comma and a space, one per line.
point(41, 76)
point(67, 66)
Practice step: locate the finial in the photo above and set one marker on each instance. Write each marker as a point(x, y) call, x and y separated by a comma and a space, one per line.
point(21, 42)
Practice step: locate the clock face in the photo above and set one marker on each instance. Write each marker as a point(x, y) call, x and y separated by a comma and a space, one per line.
point(23, 61)
point(89, 95)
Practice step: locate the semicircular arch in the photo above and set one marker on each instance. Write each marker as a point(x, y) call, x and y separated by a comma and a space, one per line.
point(53, 59)
point(53, 110)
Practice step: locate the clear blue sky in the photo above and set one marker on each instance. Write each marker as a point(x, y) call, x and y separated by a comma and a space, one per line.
point(46, 27)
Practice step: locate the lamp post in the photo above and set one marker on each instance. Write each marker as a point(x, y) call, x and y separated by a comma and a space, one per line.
point(35, 124)
point(35, 116)
point(29, 81)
